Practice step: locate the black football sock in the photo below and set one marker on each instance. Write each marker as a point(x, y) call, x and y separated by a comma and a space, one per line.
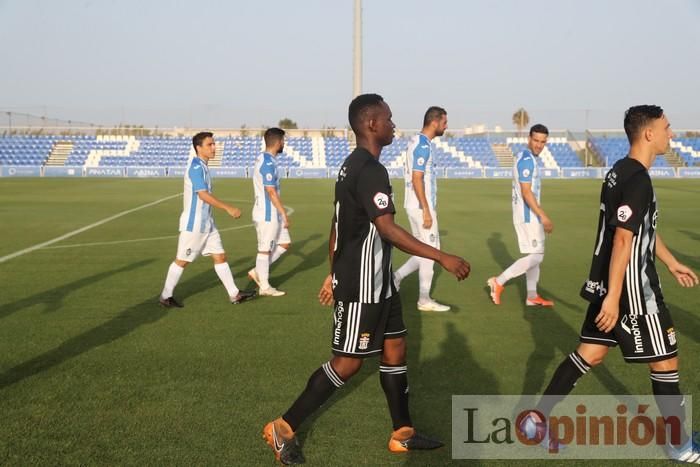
point(563, 381)
point(667, 392)
point(394, 382)
point(322, 384)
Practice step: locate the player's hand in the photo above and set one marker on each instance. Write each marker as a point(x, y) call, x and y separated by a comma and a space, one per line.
point(233, 212)
point(325, 296)
point(684, 275)
point(607, 318)
point(427, 219)
point(285, 221)
point(547, 224)
point(455, 265)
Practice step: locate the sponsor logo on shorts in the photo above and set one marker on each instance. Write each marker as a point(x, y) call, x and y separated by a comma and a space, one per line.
point(624, 213)
point(596, 288)
point(381, 200)
point(671, 336)
point(633, 329)
point(364, 341)
point(338, 322)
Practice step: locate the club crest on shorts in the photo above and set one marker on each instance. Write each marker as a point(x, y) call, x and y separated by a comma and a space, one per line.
point(671, 336)
point(364, 341)
point(188, 252)
point(381, 200)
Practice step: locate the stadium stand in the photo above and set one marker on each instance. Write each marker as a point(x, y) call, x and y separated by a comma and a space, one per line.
point(305, 151)
point(614, 148)
point(688, 149)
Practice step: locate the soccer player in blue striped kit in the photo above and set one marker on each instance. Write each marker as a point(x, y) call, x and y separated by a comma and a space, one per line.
point(198, 233)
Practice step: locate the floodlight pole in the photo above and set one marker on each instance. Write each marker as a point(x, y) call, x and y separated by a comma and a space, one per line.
point(357, 51)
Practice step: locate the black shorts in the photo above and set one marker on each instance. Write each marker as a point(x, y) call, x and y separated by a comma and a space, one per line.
point(359, 329)
point(642, 338)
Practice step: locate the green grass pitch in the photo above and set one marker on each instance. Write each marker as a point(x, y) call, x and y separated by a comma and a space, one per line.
point(93, 371)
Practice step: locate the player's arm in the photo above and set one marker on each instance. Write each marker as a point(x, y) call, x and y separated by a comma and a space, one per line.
point(325, 296)
point(212, 200)
point(418, 183)
point(531, 200)
point(683, 274)
point(277, 203)
point(404, 241)
point(619, 259)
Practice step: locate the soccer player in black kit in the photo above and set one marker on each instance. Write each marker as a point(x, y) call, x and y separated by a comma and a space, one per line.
point(626, 306)
point(367, 318)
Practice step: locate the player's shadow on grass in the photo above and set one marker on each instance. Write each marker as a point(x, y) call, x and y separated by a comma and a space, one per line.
point(52, 299)
point(308, 260)
point(548, 330)
point(120, 325)
point(433, 382)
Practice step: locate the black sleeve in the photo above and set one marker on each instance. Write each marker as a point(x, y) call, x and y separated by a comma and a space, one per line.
point(374, 191)
point(634, 202)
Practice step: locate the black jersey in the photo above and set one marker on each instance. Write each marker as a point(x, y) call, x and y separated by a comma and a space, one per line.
point(627, 200)
point(362, 259)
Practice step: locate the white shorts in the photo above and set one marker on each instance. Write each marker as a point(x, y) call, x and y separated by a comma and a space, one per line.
point(530, 237)
point(192, 244)
point(270, 234)
point(430, 236)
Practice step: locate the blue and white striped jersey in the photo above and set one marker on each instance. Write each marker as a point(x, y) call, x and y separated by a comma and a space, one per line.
point(525, 170)
point(196, 214)
point(265, 174)
point(419, 158)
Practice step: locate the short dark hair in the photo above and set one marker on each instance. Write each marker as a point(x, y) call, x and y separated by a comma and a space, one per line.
point(272, 135)
point(539, 128)
point(360, 107)
point(199, 138)
point(639, 116)
point(432, 114)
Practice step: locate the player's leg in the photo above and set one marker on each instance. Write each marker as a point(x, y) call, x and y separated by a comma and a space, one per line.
point(350, 341)
point(282, 245)
point(189, 246)
point(214, 248)
point(393, 376)
point(415, 220)
point(430, 236)
point(267, 234)
point(591, 351)
point(656, 345)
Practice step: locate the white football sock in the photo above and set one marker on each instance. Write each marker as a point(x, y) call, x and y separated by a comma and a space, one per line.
point(407, 268)
point(275, 255)
point(425, 278)
point(171, 280)
point(223, 270)
point(262, 267)
point(520, 267)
